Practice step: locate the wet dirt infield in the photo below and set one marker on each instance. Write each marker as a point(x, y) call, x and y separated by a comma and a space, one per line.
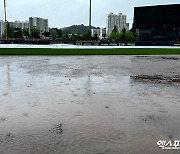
point(89, 104)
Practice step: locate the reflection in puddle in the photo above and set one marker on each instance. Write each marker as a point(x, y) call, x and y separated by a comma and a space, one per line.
point(87, 104)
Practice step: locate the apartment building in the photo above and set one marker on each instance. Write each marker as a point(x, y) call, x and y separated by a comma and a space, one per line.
point(39, 23)
point(118, 20)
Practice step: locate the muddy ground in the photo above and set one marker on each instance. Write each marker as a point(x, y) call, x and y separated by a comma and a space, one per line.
point(88, 104)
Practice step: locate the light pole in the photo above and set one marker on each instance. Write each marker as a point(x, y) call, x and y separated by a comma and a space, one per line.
point(90, 17)
point(5, 20)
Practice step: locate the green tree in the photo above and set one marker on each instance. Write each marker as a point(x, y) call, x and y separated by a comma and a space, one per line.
point(124, 34)
point(116, 36)
point(95, 37)
point(87, 36)
point(25, 32)
point(119, 36)
point(130, 36)
point(112, 36)
point(115, 30)
point(10, 30)
point(35, 33)
point(59, 33)
point(17, 33)
point(123, 30)
point(104, 36)
point(46, 34)
point(74, 37)
point(66, 36)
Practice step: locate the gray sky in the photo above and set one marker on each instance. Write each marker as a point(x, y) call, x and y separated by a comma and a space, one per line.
point(62, 13)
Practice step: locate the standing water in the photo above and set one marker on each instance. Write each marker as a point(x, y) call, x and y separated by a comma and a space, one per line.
point(88, 104)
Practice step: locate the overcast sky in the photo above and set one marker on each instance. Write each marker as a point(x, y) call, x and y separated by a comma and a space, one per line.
point(62, 13)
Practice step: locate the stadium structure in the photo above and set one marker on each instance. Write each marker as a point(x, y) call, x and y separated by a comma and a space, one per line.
point(160, 22)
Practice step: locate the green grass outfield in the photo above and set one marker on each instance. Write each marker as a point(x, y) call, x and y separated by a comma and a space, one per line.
point(98, 51)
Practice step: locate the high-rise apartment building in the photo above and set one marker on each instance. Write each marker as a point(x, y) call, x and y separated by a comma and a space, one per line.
point(20, 24)
point(17, 24)
point(39, 23)
point(1, 28)
point(118, 20)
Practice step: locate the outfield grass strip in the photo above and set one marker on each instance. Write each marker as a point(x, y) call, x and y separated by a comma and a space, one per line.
point(113, 51)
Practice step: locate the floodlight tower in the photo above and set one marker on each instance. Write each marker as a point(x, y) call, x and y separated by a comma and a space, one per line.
point(5, 20)
point(90, 17)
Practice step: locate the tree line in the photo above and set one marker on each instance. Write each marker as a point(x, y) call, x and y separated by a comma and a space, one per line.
point(122, 36)
point(13, 32)
point(72, 33)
